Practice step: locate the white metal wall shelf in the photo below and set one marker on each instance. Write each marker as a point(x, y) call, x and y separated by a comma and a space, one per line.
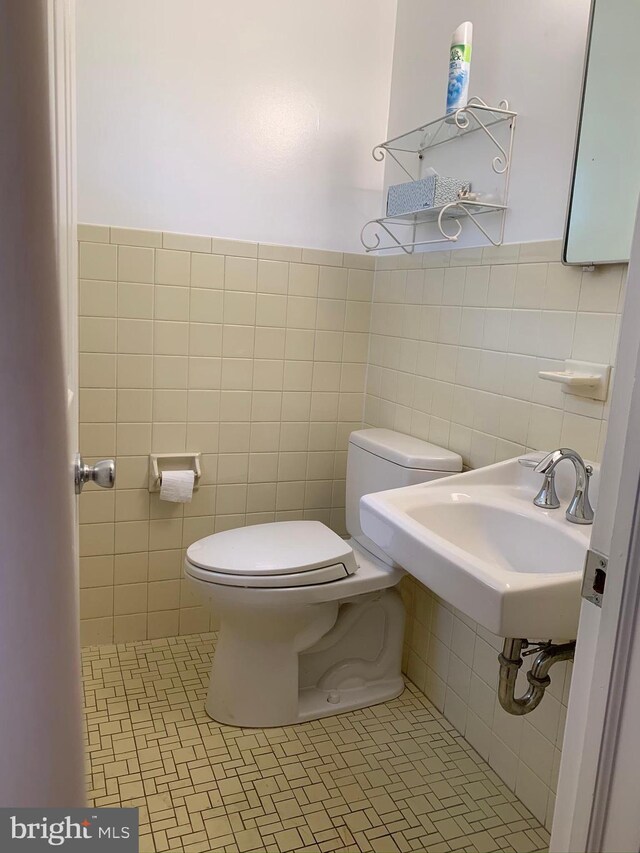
point(408, 150)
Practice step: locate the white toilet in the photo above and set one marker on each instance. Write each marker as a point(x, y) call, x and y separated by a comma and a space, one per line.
point(310, 623)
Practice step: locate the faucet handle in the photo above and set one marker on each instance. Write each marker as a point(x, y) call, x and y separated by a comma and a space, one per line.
point(547, 497)
point(580, 510)
point(532, 460)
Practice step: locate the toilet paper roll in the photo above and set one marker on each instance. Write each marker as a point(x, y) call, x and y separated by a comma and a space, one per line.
point(177, 486)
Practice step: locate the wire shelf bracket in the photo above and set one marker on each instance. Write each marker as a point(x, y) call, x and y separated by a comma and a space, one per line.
point(476, 117)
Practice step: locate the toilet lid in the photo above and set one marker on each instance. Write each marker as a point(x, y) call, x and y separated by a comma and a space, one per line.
point(282, 548)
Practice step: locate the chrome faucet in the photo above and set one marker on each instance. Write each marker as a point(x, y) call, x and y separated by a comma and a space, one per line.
point(579, 510)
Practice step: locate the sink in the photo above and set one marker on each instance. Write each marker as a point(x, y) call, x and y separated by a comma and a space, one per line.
point(477, 541)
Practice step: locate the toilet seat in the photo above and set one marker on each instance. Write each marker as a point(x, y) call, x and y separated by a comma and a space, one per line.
point(373, 575)
point(282, 554)
point(313, 577)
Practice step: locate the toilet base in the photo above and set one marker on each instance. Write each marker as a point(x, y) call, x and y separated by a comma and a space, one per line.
point(314, 703)
point(277, 667)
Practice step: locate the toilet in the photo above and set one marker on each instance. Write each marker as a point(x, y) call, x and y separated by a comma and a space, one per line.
point(311, 624)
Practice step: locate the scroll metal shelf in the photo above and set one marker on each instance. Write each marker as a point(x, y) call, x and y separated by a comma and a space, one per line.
point(408, 150)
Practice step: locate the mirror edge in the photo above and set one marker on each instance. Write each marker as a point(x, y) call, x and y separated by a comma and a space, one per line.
point(576, 147)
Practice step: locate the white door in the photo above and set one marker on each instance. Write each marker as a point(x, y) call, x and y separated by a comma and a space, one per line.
point(40, 690)
point(598, 802)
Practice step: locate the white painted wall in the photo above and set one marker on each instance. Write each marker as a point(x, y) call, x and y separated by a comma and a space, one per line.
point(530, 53)
point(248, 120)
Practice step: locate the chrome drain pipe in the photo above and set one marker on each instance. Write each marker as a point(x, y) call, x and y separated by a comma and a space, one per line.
point(538, 676)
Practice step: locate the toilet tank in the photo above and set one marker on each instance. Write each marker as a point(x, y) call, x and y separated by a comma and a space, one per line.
point(380, 459)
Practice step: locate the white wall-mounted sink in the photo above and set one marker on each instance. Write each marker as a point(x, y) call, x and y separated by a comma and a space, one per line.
point(477, 541)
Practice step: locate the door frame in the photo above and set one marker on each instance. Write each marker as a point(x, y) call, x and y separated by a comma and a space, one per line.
point(62, 99)
point(592, 812)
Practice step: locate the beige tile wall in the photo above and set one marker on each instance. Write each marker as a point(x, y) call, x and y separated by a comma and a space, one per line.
point(456, 347)
point(254, 355)
point(454, 661)
point(457, 340)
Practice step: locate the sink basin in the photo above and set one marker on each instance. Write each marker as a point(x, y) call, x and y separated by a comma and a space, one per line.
point(477, 541)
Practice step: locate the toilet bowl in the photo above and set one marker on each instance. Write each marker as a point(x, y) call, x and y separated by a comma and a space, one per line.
point(311, 624)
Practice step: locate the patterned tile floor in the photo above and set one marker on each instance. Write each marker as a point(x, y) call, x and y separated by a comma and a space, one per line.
point(395, 777)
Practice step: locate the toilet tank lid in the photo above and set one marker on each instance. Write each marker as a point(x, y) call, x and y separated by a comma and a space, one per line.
point(405, 450)
point(279, 548)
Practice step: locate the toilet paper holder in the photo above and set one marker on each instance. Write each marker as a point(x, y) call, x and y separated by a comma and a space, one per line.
point(159, 462)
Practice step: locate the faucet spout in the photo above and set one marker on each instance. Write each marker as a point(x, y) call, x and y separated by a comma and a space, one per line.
point(579, 510)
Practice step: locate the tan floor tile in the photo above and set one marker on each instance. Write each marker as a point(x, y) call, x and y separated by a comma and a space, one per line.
point(200, 775)
point(159, 803)
point(248, 840)
point(288, 840)
point(218, 827)
point(131, 790)
point(197, 803)
point(394, 777)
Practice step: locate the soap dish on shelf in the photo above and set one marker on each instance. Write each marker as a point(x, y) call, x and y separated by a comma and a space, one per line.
point(581, 378)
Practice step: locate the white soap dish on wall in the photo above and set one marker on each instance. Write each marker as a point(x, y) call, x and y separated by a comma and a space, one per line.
point(581, 378)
